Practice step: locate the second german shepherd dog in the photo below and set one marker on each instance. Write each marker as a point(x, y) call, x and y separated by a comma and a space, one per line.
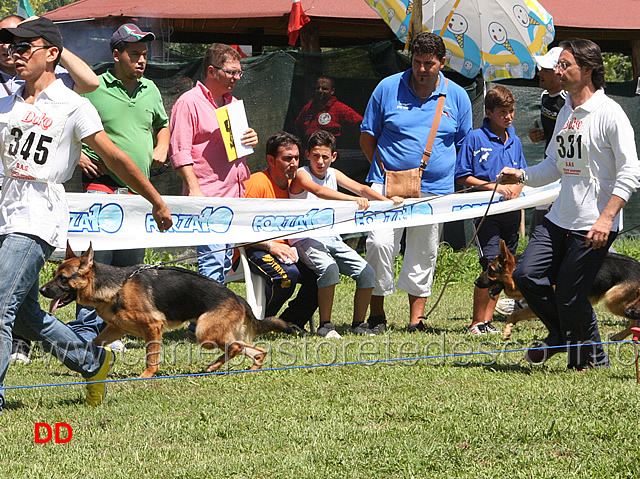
point(144, 302)
point(617, 282)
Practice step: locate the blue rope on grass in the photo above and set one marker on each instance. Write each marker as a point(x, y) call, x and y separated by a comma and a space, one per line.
point(309, 366)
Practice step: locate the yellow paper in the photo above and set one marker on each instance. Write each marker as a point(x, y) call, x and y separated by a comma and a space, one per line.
point(222, 114)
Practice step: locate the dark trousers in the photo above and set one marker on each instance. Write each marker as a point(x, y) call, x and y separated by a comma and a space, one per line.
point(558, 257)
point(281, 284)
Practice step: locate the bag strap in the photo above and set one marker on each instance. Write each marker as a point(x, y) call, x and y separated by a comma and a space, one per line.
point(426, 154)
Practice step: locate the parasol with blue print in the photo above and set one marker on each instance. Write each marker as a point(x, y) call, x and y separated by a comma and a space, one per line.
point(498, 37)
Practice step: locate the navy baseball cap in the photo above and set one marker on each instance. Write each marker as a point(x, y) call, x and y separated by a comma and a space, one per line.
point(32, 27)
point(130, 33)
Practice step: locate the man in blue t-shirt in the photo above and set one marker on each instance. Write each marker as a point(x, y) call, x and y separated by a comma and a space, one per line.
point(481, 158)
point(395, 130)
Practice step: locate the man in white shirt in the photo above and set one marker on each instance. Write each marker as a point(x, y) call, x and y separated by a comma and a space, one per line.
point(79, 77)
point(593, 150)
point(41, 130)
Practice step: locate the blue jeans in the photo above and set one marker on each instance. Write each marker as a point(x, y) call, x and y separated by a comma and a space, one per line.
point(22, 257)
point(87, 323)
point(217, 264)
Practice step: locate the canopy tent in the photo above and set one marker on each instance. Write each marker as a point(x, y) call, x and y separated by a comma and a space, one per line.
point(338, 22)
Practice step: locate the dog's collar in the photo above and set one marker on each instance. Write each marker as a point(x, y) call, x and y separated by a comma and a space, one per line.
point(143, 267)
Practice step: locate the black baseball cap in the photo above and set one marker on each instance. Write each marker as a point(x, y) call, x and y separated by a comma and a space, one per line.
point(130, 33)
point(34, 27)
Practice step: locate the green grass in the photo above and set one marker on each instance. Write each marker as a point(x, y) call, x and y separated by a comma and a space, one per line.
point(475, 416)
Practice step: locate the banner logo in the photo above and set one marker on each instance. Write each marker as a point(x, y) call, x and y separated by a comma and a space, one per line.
point(98, 218)
point(210, 220)
point(311, 219)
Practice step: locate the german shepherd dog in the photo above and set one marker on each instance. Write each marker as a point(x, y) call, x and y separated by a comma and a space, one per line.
point(144, 302)
point(617, 282)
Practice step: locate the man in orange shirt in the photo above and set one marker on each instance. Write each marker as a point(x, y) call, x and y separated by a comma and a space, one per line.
point(275, 259)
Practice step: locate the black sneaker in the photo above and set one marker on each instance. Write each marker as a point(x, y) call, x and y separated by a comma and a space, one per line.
point(490, 328)
point(300, 331)
point(361, 329)
point(412, 328)
point(377, 324)
point(328, 330)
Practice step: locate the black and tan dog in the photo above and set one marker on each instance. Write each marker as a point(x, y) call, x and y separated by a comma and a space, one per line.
point(617, 282)
point(145, 302)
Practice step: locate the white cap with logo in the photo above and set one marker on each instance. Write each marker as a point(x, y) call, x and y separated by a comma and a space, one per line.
point(549, 60)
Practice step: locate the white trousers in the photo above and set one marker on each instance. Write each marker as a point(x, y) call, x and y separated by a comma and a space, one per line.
point(420, 256)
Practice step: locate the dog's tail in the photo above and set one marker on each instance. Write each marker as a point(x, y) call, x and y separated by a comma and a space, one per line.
point(266, 325)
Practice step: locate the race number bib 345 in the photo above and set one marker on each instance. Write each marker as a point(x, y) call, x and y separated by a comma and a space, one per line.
point(571, 147)
point(31, 141)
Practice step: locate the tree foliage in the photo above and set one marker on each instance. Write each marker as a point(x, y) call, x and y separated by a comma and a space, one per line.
point(9, 7)
point(617, 67)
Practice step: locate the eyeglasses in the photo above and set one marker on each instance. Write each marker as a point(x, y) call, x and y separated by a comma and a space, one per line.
point(234, 73)
point(562, 66)
point(23, 47)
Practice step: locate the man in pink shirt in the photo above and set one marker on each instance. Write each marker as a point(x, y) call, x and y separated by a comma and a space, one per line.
point(197, 151)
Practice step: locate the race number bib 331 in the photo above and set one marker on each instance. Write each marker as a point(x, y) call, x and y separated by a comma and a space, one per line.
point(571, 150)
point(31, 141)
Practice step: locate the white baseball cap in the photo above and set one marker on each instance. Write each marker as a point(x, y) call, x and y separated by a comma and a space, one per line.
point(550, 60)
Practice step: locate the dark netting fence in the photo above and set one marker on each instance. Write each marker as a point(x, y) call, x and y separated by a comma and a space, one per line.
point(277, 85)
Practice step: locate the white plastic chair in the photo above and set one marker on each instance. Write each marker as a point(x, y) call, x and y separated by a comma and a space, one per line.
point(255, 285)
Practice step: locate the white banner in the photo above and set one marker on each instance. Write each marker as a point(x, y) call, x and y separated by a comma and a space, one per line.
point(113, 222)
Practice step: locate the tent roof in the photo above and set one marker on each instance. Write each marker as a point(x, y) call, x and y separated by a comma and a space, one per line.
point(566, 13)
point(338, 22)
point(210, 9)
point(588, 14)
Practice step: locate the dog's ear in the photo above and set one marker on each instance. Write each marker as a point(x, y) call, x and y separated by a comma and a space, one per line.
point(503, 248)
point(505, 254)
point(70, 253)
point(86, 260)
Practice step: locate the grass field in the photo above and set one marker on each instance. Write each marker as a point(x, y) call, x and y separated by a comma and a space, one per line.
point(485, 414)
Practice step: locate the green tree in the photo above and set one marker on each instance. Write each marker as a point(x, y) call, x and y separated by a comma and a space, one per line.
point(10, 7)
point(617, 67)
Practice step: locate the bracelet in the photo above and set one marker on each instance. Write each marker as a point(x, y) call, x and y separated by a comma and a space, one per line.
point(269, 246)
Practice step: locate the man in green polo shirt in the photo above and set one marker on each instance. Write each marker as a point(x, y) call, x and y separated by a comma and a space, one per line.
point(133, 116)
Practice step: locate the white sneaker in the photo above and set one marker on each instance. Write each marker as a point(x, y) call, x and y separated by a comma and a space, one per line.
point(505, 306)
point(118, 346)
point(20, 358)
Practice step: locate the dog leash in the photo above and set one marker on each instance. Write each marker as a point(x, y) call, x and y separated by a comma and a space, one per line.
point(466, 248)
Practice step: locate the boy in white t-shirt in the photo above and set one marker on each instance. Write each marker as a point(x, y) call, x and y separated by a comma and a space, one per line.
point(328, 256)
point(41, 129)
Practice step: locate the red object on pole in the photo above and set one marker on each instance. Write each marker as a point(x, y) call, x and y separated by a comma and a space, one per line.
point(636, 333)
point(297, 20)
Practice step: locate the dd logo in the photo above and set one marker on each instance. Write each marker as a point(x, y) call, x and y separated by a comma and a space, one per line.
point(55, 432)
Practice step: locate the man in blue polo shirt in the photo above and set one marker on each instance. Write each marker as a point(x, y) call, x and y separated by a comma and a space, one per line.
point(395, 128)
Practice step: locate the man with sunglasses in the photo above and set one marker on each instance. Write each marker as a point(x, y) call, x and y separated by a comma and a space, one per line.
point(77, 76)
point(42, 127)
point(594, 153)
point(197, 150)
